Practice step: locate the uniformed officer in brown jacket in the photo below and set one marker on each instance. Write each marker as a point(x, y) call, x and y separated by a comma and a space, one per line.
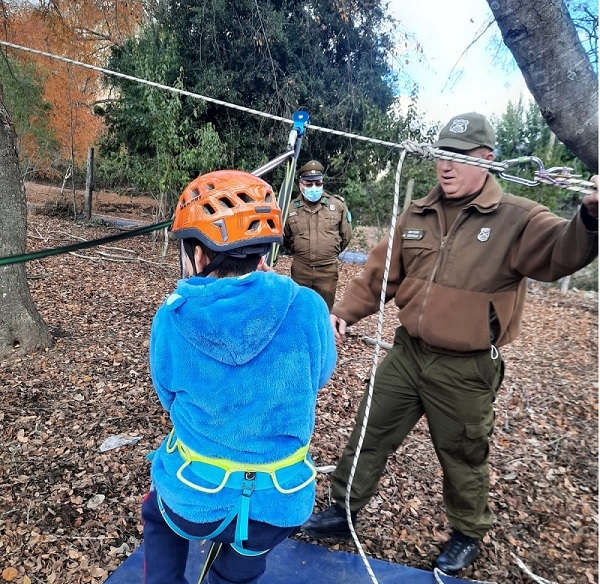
point(458, 274)
point(318, 228)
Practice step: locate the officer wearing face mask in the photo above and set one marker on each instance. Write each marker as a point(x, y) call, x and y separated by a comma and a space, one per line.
point(318, 228)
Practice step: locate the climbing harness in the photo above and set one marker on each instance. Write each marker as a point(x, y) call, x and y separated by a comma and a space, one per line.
point(222, 473)
point(212, 475)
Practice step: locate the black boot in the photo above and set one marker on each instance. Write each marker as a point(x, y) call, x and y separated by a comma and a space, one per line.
point(460, 551)
point(329, 523)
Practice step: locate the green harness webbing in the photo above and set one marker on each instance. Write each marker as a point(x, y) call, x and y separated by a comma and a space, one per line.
point(44, 253)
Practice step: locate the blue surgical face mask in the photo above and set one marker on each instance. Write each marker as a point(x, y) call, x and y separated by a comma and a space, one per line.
point(312, 194)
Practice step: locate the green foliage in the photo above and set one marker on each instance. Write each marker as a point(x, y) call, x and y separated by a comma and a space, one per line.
point(23, 97)
point(272, 56)
point(150, 138)
point(368, 185)
point(522, 131)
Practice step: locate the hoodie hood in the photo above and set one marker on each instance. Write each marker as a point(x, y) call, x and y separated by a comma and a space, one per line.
point(219, 316)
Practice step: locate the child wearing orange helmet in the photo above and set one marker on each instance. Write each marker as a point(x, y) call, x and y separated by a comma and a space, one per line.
point(237, 356)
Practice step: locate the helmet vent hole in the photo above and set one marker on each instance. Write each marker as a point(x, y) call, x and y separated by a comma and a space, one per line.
point(208, 209)
point(245, 197)
point(254, 226)
point(271, 223)
point(195, 193)
point(268, 198)
point(227, 203)
point(210, 187)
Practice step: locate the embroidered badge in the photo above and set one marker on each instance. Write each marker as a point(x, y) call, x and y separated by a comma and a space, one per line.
point(332, 207)
point(293, 213)
point(484, 234)
point(459, 126)
point(415, 234)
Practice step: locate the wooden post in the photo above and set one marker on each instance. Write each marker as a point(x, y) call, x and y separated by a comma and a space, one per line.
point(89, 185)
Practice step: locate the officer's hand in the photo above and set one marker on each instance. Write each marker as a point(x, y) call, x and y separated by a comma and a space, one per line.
point(590, 202)
point(339, 327)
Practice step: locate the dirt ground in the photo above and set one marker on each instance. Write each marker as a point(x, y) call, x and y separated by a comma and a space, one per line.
point(70, 513)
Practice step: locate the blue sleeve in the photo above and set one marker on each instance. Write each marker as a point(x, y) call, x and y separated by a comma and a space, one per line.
point(161, 362)
point(329, 351)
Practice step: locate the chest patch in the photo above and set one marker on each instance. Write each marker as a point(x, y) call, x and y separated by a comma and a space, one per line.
point(414, 234)
point(293, 213)
point(484, 234)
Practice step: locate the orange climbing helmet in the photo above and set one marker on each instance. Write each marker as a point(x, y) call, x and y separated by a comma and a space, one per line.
point(229, 211)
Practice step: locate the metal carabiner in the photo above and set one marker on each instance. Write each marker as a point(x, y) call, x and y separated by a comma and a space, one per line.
point(557, 175)
point(523, 160)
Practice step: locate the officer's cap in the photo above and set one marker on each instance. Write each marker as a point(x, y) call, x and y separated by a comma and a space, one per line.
point(466, 132)
point(312, 170)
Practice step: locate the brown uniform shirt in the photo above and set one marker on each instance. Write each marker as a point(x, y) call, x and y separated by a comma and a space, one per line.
point(316, 233)
point(448, 286)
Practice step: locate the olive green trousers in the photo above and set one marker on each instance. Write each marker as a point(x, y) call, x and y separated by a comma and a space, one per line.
point(456, 394)
point(322, 279)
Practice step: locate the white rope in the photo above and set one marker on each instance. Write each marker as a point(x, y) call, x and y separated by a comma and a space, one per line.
point(145, 82)
point(426, 151)
point(388, 260)
point(438, 575)
point(193, 95)
point(533, 576)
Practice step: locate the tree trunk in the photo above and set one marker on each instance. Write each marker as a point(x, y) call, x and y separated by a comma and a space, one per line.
point(543, 40)
point(21, 328)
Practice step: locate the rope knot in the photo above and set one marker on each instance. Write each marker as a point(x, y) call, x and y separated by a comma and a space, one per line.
point(423, 150)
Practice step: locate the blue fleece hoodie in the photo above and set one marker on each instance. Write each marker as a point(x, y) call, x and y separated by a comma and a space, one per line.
point(237, 362)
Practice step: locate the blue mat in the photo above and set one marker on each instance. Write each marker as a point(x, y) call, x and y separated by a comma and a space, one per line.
point(294, 562)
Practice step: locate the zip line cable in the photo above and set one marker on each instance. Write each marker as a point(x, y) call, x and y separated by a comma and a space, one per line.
point(557, 176)
point(188, 93)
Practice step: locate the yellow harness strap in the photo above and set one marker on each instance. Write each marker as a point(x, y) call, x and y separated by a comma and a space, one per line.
point(229, 466)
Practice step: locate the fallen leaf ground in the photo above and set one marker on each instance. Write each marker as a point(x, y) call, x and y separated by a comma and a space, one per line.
point(71, 514)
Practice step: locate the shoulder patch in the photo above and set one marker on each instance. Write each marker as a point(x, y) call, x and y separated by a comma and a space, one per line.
point(339, 197)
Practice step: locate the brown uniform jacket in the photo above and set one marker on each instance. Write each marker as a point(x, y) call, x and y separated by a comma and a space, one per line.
point(449, 289)
point(316, 234)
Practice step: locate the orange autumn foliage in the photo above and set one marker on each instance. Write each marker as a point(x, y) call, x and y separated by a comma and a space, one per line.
point(82, 30)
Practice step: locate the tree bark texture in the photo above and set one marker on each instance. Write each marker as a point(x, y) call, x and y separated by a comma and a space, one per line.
point(543, 40)
point(22, 330)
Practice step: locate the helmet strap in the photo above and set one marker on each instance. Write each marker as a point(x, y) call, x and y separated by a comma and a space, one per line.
point(214, 264)
point(187, 249)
